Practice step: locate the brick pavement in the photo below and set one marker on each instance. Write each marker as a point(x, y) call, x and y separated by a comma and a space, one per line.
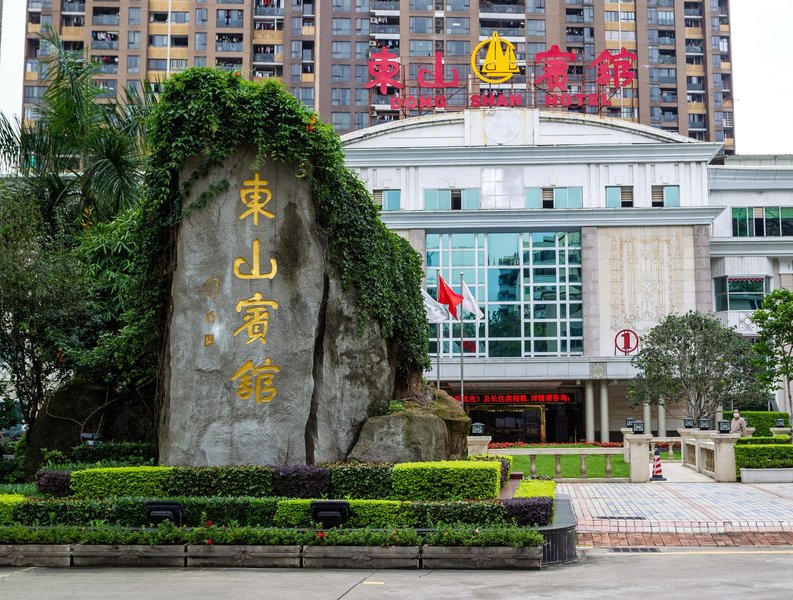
point(682, 514)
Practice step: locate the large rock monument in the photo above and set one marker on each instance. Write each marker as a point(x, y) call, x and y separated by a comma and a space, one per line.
point(267, 363)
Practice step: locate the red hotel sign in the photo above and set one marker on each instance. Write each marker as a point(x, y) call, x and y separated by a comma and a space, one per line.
point(499, 65)
point(555, 398)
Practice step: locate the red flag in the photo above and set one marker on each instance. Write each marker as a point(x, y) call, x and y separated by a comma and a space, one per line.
point(448, 296)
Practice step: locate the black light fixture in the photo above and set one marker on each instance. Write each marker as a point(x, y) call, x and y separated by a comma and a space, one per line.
point(477, 429)
point(745, 421)
point(330, 513)
point(724, 426)
point(704, 424)
point(638, 427)
point(91, 439)
point(780, 423)
point(688, 423)
point(629, 422)
point(159, 511)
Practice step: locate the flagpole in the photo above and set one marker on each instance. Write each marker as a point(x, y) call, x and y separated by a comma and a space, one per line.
point(438, 356)
point(462, 348)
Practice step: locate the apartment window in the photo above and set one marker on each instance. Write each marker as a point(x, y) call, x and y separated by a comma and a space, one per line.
point(361, 96)
point(762, 221)
point(554, 197)
point(158, 64)
point(457, 199)
point(340, 120)
point(158, 41)
point(178, 64)
point(133, 86)
point(340, 96)
point(133, 64)
point(362, 6)
point(342, 26)
point(361, 26)
point(341, 49)
point(200, 61)
point(420, 48)
point(201, 17)
point(458, 48)
point(134, 16)
point(535, 27)
point(180, 17)
point(619, 196)
point(361, 120)
point(740, 292)
point(200, 41)
point(133, 40)
point(387, 199)
point(665, 196)
point(361, 49)
point(340, 73)
point(421, 5)
point(341, 5)
point(458, 25)
point(420, 24)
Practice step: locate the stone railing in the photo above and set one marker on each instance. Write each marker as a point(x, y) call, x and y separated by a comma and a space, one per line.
point(557, 453)
point(710, 453)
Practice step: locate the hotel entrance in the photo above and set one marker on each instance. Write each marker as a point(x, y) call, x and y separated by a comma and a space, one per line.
point(512, 423)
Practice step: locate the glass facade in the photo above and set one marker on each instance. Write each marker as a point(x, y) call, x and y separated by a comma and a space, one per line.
point(528, 284)
point(740, 293)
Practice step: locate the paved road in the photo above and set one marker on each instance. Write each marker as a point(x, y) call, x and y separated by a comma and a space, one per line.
point(698, 574)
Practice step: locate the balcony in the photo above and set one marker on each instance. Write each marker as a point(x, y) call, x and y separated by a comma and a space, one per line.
point(228, 47)
point(268, 58)
point(512, 9)
point(739, 320)
point(104, 44)
point(236, 23)
point(105, 20)
point(376, 5)
point(697, 125)
point(39, 4)
point(503, 32)
point(375, 29)
point(73, 7)
point(268, 11)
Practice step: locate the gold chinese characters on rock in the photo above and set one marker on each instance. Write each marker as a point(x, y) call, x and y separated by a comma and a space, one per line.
point(255, 379)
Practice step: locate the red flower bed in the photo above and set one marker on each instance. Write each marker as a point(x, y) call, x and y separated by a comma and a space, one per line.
point(501, 445)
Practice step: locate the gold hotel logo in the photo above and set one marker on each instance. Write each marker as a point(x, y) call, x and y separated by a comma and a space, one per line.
point(499, 64)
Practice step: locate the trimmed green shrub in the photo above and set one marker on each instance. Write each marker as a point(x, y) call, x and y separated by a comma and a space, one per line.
point(121, 481)
point(371, 481)
point(506, 464)
point(763, 456)
point(764, 420)
point(54, 483)
point(515, 537)
point(293, 513)
point(220, 481)
point(301, 481)
point(8, 502)
point(534, 488)
point(366, 537)
point(529, 511)
point(445, 480)
point(67, 511)
point(432, 514)
point(133, 453)
point(761, 441)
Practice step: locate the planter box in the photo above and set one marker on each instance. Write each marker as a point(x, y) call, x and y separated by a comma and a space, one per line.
point(242, 556)
point(35, 555)
point(767, 475)
point(361, 557)
point(488, 557)
point(128, 556)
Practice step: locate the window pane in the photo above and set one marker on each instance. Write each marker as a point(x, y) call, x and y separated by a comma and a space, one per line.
point(504, 320)
point(613, 197)
point(575, 197)
point(772, 227)
point(671, 195)
point(503, 285)
point(502, 249)
point(470, 199)
point(787, 221)
point(533, 198)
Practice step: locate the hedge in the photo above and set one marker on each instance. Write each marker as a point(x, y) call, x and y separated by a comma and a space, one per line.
point(445, 480)
point(131, 452)
point(365, 480)
point(121, 481)
point(7, 504)
point(220, 481)
point(759, 441)
point(301, 481)
point(506, 464)
point(763, 456)
point(54, 482)
point(763, 420)
point(533, 488)
point(529, 511)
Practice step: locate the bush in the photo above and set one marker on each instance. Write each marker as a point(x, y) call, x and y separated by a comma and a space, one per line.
point(379, 513)
point(301, 481)
point(432, 514)
point(62, 512)
point(760, 441)
point(133, 453)
point(54, 483)
point(8, 502)
point(121, 481)
point(533, 488)
point(467, 480)
point(367, 480)
point(763, 456)
point(220, 481)
point(506, 464)
point(515, 537)
point(764, 420)
point(293, 513)
point(529, 511)
point(366, 537)
point(12, 470)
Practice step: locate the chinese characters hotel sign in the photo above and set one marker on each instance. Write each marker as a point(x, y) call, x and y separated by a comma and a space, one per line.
point(493, 61)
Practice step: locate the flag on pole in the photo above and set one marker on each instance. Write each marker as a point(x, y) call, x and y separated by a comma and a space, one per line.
point(448, 296)
point(436, 313)
point(469, 302)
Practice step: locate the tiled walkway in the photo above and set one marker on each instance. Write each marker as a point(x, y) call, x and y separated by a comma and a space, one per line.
point(682, 514)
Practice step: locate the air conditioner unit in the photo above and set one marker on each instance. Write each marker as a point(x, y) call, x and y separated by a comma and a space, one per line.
point(373, 43)
point(373, 19)
point(439, 44)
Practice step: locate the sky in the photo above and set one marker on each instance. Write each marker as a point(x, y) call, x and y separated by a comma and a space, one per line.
point(762, 64)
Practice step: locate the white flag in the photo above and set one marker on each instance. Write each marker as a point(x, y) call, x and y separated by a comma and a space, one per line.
point(436, 313)
point(470, 304)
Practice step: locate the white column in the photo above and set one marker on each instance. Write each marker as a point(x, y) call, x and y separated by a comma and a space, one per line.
point(604, 411)
point(647, 416)
point(589, 410)
point(661, 420)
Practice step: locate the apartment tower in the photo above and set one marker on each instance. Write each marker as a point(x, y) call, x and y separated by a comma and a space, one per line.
point(321, 50)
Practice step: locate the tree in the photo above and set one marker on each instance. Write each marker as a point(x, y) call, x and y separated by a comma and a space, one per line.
point(694, 362)
point(774, 343)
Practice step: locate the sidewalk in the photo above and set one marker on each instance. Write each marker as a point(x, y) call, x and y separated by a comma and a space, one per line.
point(682, 513)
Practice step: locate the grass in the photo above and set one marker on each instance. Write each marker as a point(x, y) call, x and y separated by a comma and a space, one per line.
point(571, 465)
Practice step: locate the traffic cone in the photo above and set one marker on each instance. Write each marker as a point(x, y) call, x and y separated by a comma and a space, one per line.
point(657, 474)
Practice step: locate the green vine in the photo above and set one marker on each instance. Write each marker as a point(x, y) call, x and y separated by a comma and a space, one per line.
point(209, 114)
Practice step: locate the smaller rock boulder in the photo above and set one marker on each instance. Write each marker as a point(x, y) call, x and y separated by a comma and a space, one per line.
point(407, 436)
